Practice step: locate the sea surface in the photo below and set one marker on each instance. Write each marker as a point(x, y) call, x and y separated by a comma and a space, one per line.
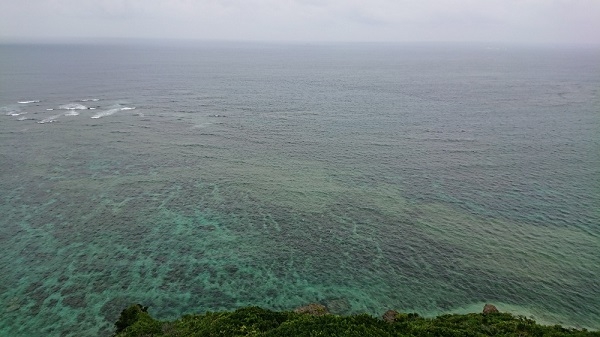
point(193, 177)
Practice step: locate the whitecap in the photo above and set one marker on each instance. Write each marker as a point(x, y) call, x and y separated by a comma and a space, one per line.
point(16, 113)
point(72, 113)
point(73, 106)
point(49, 109)
point(27, 102)
point(127, 108)
point(105, 113)
point(90, 100)
point(10, 112)
point(49, 119)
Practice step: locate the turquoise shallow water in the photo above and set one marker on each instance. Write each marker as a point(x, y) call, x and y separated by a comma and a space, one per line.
point(365, 177)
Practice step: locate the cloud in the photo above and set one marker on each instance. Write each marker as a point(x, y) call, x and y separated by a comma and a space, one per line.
point(311, 20)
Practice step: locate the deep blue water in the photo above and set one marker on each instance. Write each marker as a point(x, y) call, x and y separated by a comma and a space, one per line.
point(210, 176)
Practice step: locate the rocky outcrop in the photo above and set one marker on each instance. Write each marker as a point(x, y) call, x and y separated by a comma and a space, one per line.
point(337, 306)
point(490, 309)
point(390, 316)
point(314, 309)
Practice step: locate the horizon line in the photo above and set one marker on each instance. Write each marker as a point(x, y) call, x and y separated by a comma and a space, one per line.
point(154, 40)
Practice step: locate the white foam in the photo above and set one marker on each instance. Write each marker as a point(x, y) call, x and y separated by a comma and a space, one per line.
point(92, 108)
point(90, 100)
point(72, 113)
point(16, 113)
point(22, 118)
point(9, 112)
point(73, 106)
point(127, 108)
point(49, 119)
point(27, 102)
point(105, 113)
point(49, 109)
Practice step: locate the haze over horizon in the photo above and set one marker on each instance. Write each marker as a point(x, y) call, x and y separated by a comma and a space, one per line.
point(501, 21)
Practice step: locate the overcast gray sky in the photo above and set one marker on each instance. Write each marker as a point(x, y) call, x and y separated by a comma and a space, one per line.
point(522, 21)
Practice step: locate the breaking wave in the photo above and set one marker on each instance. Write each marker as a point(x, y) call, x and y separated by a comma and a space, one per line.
point(111, 112)
point(49, 119)
point(27, 102)
point(9, 111)
point(15, 113)
point(105, 113)
point(73, 106)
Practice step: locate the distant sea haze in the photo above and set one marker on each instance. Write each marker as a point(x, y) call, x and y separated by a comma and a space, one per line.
point(421, 178)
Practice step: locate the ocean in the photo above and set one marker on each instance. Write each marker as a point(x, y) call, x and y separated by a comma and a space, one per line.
point(205, 176)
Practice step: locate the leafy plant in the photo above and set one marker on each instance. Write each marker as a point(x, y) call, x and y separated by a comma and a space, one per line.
point(255, 321)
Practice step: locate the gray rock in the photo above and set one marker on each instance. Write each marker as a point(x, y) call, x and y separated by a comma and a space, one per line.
point(490, 309)
point(314, 309)
point(390, 316)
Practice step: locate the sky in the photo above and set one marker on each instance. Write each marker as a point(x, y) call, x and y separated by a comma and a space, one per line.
point(504, 21)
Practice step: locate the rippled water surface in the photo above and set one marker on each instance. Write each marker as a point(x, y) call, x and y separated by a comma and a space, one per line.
point(427, 178)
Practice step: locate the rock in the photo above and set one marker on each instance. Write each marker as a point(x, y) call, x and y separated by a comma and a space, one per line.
point(490, 309)
point(314, 309)
point(337, 306)
point(390, 316)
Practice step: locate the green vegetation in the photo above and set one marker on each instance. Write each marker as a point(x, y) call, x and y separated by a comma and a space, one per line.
point(254, 321)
